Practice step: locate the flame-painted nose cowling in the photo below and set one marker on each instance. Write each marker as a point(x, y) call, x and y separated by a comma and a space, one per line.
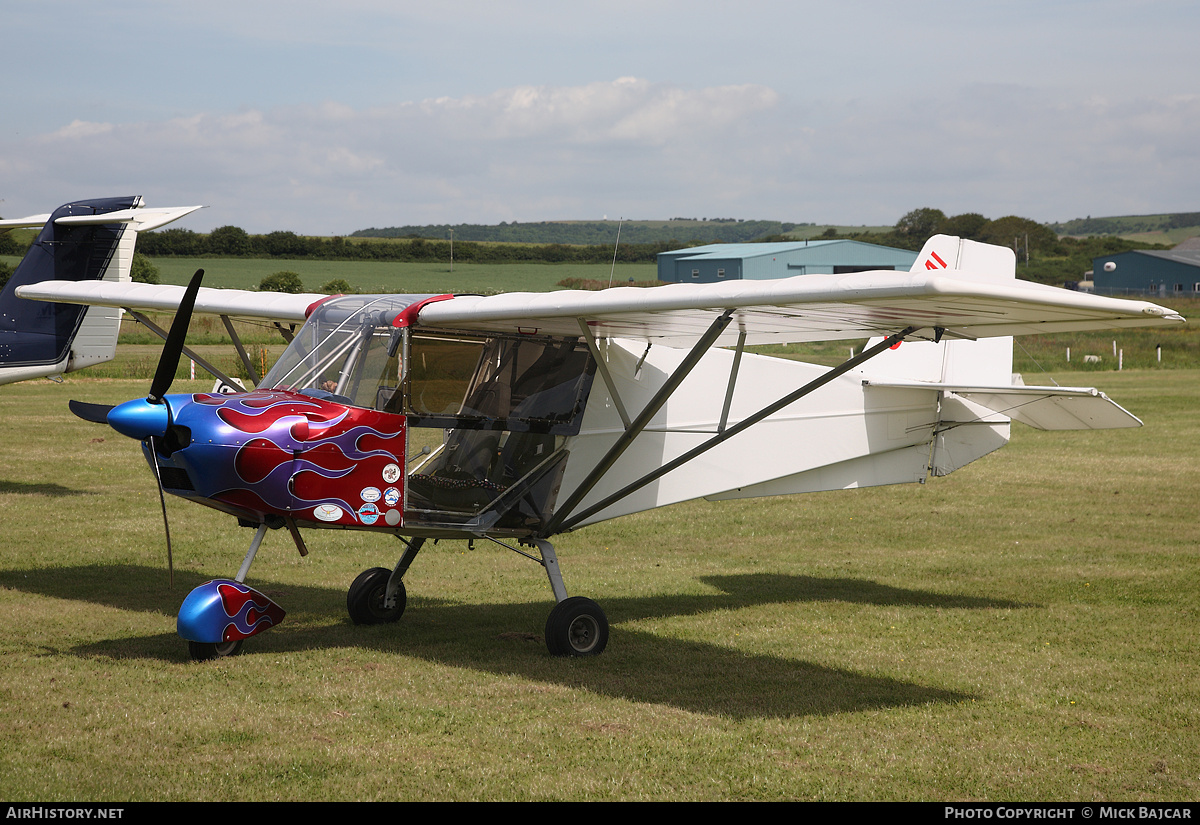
point(274, 453)
point(140, 419)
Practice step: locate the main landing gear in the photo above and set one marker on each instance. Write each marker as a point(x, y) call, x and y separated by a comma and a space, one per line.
point(369, 600)
point(576, 626)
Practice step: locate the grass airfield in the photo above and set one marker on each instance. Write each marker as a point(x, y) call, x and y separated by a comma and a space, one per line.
point(1024, 629)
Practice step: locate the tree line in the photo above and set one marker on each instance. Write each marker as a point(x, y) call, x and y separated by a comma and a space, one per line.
point(603, 233)
point(1043, 254)
point(231, 241)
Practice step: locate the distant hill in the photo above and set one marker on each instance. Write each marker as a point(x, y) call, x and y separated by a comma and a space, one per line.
point(681, 230)
point(1170, 228)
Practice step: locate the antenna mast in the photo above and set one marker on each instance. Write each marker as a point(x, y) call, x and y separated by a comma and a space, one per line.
point(617, 244)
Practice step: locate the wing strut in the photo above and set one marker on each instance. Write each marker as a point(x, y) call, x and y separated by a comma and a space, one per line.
point(560, 522)
point(635, 427)
point(241, 350)
point(602, 366)
point(733, 373)
point(157, 330)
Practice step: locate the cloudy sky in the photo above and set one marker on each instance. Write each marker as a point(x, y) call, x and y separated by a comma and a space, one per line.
point(324, 117)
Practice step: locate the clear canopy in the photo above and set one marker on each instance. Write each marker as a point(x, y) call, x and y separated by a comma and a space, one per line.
point(350, 351)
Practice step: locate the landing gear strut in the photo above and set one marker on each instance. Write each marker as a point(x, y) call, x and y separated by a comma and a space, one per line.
point(576, 626)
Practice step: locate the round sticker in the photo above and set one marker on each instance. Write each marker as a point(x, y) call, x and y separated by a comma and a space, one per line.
point(392, 517)
point(327, 512)
point(369, 513)
point(391, 473)
point(391, 496)
point(370, 494)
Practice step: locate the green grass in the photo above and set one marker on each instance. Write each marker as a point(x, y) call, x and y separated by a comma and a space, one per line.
point(1024, 629)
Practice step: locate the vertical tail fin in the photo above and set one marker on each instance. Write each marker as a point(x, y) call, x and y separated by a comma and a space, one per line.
point(969, 258)
point(79, 241)
point(986, 362)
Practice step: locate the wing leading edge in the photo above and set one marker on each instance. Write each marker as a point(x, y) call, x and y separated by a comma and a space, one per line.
point(233, 303)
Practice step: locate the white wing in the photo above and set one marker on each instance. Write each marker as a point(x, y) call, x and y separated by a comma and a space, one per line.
point(805, 308)
point(234, 303)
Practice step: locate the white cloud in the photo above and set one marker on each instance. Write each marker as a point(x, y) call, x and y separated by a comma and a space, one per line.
point(635, 148)
point(478, 158)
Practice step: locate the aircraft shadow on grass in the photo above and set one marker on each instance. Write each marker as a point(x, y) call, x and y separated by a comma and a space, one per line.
point(643, 667)
point(39, 488)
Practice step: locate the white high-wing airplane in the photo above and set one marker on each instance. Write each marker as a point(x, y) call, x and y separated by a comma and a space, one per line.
point(557, 410)
point(81, 241)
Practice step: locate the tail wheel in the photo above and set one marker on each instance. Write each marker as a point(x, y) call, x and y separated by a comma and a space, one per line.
point(576, 627)
point(365, 599)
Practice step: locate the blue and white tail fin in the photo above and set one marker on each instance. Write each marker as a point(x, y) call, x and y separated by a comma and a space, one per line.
point(80, 241)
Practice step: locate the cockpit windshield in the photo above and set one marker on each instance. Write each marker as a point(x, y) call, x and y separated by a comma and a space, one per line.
point(349, 351)
point(330, 353)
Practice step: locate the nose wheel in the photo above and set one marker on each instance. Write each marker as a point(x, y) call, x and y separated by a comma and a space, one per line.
point(206, 651)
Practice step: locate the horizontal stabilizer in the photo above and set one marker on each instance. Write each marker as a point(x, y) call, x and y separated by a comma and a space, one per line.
point(1044, 408)
point(25, 223)
point(143, 218)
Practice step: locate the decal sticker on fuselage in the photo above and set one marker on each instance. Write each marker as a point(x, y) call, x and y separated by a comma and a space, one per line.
point(327, 512)
point(369, 513)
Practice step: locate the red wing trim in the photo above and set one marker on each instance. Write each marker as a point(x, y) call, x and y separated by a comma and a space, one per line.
point(313, 306)
point(408, 316)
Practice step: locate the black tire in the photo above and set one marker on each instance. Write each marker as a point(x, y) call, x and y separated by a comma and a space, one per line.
point(576, 627)
point(206, 651)
point(364, 600)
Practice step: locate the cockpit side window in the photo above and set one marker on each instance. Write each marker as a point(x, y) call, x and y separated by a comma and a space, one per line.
point(518, 383)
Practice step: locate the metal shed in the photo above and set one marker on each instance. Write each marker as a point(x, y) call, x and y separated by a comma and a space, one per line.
point(1159, 272)
point(761, 261)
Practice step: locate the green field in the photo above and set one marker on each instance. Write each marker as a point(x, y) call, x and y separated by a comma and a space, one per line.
point(1024, 629)
point(417, 278)
point(371, 277)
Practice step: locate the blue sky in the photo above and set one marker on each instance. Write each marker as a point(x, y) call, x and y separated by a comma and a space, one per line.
point(324, 118)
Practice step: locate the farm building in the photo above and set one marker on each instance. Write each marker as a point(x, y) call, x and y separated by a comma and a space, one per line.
point(1160, 272)
point(760, 261)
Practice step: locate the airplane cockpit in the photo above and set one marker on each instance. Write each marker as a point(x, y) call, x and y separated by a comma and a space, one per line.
point(487, 414)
